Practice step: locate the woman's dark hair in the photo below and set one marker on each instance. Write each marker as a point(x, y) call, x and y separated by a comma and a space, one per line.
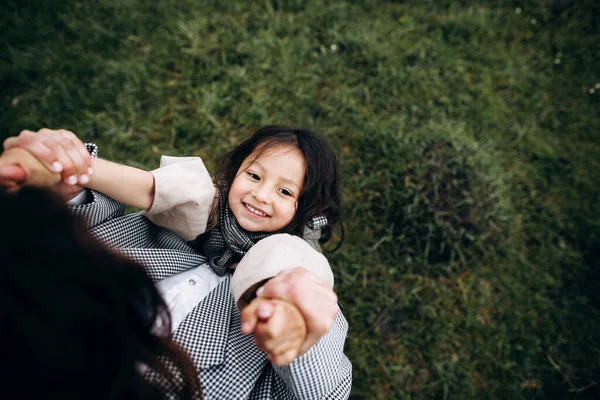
point(320, 195)
point(77, 320)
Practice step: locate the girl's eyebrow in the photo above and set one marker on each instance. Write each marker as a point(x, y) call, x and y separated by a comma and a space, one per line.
point(283, 178)
point(256, 162)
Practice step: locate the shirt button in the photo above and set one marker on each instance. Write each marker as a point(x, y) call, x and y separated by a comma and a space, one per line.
point(192, 282)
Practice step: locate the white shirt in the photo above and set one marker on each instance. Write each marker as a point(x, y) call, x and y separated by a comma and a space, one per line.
point(184, 291)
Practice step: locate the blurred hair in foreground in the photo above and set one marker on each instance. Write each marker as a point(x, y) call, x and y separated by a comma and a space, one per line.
point(79, 321)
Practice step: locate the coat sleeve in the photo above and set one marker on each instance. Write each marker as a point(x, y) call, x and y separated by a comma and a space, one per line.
point(270, 256)
point(98, 210)
point(93, 208)
point(324, 372)
point(183, 196)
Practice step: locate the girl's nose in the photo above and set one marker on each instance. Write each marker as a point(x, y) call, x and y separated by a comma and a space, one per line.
point(262, 194)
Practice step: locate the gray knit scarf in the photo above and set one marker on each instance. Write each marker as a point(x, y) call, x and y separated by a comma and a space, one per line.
point(228, 241)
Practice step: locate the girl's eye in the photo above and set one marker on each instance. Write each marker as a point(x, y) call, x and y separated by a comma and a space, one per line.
point(285, 192)
point(253, 176)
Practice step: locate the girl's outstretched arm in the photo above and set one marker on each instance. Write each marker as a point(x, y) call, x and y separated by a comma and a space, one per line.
point(129, 185)
point(178, 196)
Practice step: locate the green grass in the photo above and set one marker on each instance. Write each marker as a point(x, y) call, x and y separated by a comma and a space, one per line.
point(469, 157)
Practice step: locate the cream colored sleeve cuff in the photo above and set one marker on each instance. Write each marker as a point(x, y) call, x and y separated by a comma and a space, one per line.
point(183, 195)
point(272, 255)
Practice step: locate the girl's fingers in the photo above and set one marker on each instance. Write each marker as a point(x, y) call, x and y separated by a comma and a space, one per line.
point(250, 316)
point(283, 358)
point(264, 311)
point(81, 167)
point(259, 310)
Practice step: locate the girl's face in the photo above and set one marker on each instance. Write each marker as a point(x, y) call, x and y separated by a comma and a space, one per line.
point(264, 194)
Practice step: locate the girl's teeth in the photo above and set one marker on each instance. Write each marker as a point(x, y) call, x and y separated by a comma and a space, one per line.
point(255, 211)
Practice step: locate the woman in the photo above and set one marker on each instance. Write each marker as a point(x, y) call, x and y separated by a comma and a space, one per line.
point(82, 322)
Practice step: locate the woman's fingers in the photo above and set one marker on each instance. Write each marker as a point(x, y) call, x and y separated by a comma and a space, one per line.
point(29, 141)
point(69, 168)
point(78, 153)
point(301, 288)
point(71, 152)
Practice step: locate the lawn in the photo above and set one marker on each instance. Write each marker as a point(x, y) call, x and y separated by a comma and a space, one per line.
point(468, 133)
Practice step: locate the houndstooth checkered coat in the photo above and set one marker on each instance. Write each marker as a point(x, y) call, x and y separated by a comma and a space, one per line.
point(230, 364)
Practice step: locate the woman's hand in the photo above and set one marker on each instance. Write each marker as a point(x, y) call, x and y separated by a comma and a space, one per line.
point(59, 151)
point(11, 175)
point(18, 167)
point(279, 328)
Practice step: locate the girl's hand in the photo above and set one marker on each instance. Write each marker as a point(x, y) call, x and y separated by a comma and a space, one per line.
point(314, 299)
point(279, 329)
point(60, 151)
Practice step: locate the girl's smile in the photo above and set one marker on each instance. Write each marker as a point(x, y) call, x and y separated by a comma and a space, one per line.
point(256, 211)
point(264, 193)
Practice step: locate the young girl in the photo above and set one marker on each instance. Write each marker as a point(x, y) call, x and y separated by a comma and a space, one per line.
point(280, 180)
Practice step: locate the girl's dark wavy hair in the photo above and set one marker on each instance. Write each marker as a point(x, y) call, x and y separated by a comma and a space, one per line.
point(320, 195)
point(78, 321)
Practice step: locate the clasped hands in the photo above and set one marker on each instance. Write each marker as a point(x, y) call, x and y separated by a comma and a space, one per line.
point(291, 312)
